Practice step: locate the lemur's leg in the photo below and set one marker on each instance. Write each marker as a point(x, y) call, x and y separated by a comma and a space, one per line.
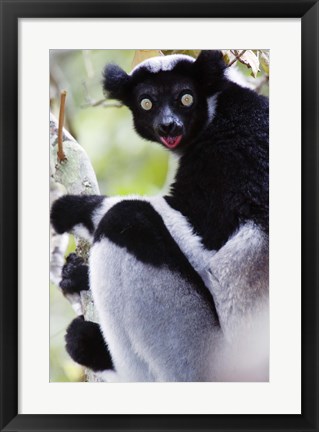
point(152, 304)
point(157, 316)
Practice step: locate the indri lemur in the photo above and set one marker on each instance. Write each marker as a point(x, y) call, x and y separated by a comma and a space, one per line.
point(180, 282)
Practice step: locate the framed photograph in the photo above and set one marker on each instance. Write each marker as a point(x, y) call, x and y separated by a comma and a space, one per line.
point(35, 394)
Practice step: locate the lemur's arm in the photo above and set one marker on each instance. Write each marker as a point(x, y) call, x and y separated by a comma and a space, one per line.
point(81, 214)
point(72, 212)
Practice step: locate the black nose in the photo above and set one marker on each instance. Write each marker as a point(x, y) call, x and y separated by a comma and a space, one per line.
point(169, 128)
point(166, 128)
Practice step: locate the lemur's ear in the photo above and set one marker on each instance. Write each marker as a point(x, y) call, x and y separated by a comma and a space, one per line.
point(115, 82)
point(209, 68)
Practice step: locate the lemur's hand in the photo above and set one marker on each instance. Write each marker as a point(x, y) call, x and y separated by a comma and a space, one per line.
point(75, 275)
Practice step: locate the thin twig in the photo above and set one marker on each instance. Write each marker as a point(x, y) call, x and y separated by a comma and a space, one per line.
point(89, 102)
point(61, 155)
point(107, 104)
point(102, 102)
point(237, 57)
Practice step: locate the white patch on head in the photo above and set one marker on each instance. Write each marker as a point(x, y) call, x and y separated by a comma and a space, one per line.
point(162, 63)
point(211, 105)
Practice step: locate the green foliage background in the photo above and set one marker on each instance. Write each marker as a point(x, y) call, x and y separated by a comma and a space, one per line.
point(123, 162)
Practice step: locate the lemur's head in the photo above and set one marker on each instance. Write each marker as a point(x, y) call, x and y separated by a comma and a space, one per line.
point(172, 98)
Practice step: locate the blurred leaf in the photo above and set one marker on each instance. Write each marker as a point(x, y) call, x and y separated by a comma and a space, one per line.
point(250, 60)
point(194, 53)
point(264, 61)
point(227, 56)
point(141, 55)
point(168, 52)
point(191, 53)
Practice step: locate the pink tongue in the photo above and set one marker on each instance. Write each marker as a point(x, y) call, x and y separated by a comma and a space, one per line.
point(171, 142)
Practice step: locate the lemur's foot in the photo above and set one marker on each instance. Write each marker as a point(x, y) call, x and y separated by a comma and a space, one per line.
point(86, 345)
point(75, 275)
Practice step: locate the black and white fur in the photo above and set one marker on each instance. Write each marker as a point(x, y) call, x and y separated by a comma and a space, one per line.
point(180, 282)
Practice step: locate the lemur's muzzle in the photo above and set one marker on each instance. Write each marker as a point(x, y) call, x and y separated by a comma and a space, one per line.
point(170, 132)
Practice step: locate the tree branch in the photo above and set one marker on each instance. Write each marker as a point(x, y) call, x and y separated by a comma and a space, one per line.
point(61, 155)
point(77, 177)
point(237, 57)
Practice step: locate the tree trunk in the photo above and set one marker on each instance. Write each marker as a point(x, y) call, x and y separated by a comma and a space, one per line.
point(74, 175)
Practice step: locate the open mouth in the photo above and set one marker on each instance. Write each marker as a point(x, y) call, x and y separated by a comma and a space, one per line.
point(171, 142)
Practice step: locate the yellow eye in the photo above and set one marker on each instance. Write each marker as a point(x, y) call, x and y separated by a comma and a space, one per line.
point(146, 104)
point(187, 99)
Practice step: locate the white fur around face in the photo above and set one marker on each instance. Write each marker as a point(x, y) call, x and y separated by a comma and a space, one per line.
point(162, 63)
point(212, 104)
point(233, 74)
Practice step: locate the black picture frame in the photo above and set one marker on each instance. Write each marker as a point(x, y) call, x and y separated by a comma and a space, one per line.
point(11, 12)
